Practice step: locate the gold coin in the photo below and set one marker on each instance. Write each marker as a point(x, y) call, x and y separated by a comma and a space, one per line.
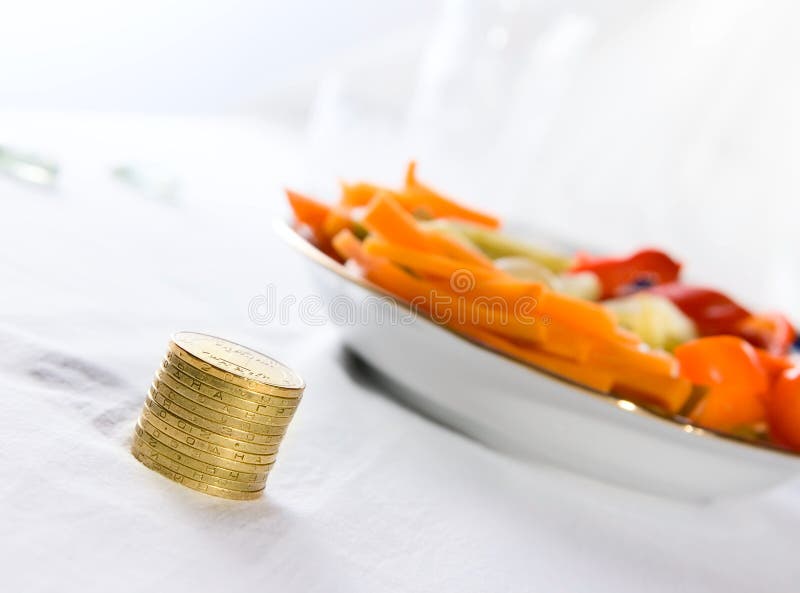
point(264, 424)
point(194, 441)
point(206, 468)
point(165, 401)
point(211, 410)
point(233, 405)
point(237, 364)
point(200, 445)
point(194, 484)
point(188, 472)
point(206, 435)
point(216, 384)
point(150, 433)
point(197, 379)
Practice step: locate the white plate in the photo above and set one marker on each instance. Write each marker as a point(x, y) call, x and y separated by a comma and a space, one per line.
point(530, 414)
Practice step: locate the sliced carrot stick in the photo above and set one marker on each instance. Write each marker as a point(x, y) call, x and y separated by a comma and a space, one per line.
point(669, 393)
point(584, 317)
point(399, 283)
point(424, 262)
point(647, 375)
point(624, 357)
point(562, 341)
point(498, 302)
point(380, 270)
point(337, 219)
point(348, 246)
point(420, 196)
point(579, 373)
point(308, 211)
point(386, 217)
point(361, 193)
point(494, 317)
point(411, 174)
point(505, 307)
point(516, 292)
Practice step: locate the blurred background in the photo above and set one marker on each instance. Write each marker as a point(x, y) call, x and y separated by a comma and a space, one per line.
point(612, 123)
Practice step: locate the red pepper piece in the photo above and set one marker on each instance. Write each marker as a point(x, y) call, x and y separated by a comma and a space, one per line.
point(620, 276)
point(715, 313)
point(770, 331)
point(712, 312)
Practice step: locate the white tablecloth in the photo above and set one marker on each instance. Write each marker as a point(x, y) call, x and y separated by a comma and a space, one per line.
point(366, 495)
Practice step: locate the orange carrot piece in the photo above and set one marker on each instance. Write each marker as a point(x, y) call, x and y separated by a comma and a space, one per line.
point(510, 313)
point(361, 193)
point(386, 217)
point(308, 211)
point(495, 318)
point(582, 316)
point(669, 393)
point(411, 174)
point(565, 342)
point(579, 373)
point(576, 372)
point(419, 196)
point(624, 357)
point(508, 299)
point(514, 291)
point(442, 307)
point(651, 376)
point(348, 246)
point(380, 270)
point(337, 219)
point(426, 263)
point(397, 282)
point(383, 272)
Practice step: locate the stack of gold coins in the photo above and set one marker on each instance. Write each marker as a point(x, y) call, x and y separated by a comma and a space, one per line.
point(215, 416)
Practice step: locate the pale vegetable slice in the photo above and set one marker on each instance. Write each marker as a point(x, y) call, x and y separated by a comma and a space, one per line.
point(584, 285)
point(657, 321)
point(524, 268)
point(496, 245)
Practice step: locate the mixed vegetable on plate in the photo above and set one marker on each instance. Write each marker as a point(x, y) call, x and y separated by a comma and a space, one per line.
point(622, 325)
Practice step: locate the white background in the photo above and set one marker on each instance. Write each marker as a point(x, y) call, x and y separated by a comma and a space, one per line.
point(668, 121)
point(180, 56)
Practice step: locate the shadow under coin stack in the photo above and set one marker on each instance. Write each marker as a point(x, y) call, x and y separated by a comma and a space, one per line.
point(215, 416)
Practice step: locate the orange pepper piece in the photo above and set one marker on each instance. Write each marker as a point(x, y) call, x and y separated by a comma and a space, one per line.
point(784, 409)
point(730, 366)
